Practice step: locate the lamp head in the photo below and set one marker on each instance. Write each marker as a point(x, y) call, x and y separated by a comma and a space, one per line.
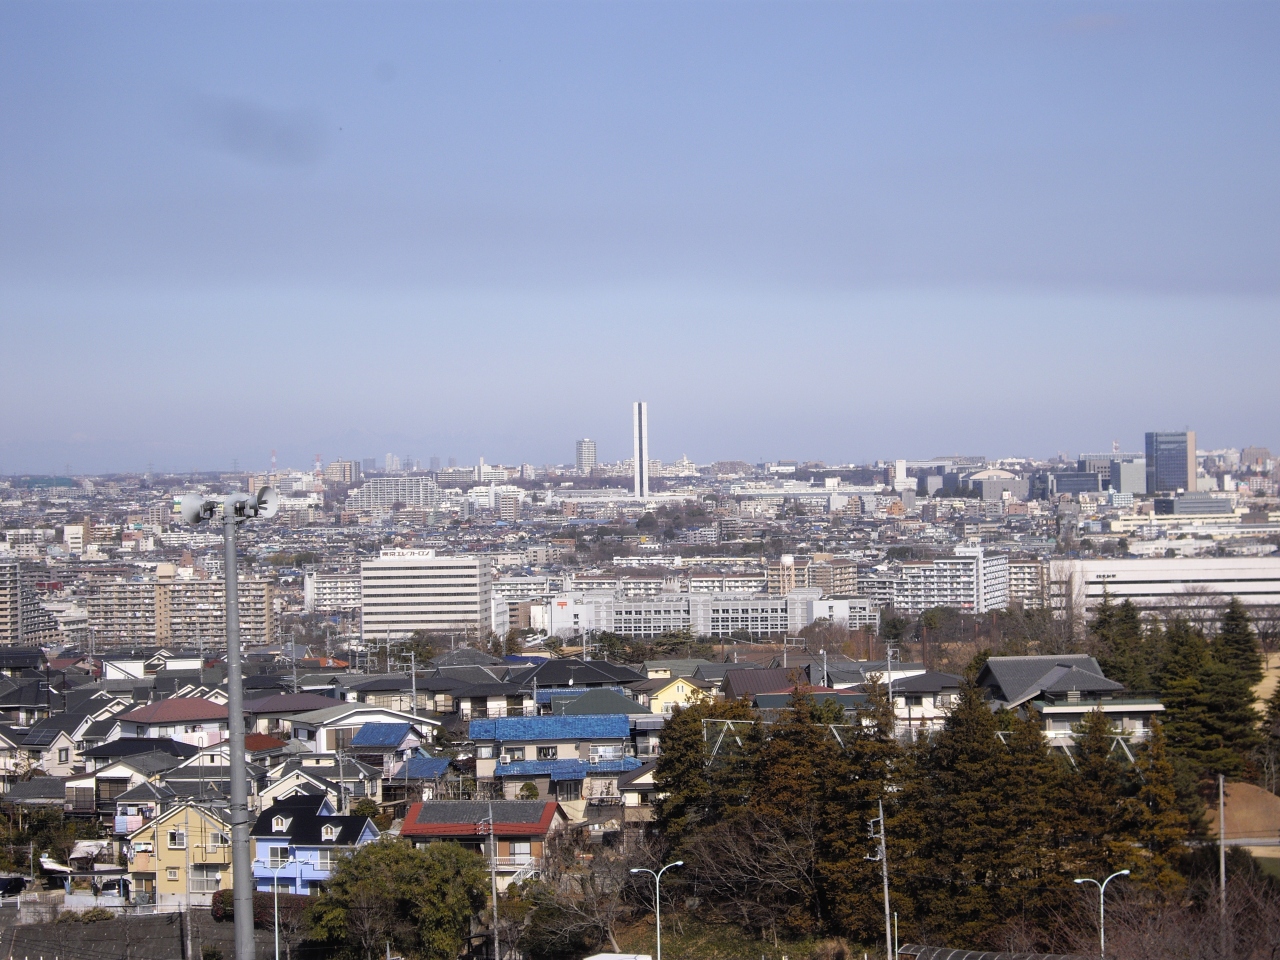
point(678, 863)
point(1079, 881)
point(636, 870)
point(1124, 873)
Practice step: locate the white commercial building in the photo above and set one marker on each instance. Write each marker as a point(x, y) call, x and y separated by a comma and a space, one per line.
point(407, 590)
point(972, 580)
point(702, 614)
point(1164, 583)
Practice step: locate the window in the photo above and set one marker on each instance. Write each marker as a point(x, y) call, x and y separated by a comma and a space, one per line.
point(328, 832)
point(278, 824)
point(520, 848)
point(914, 700)
point(277, 856)
point(547, 753)
point(64, 754)
point(218, 839)
point(600, 752)
point(326, 859)
point(513, 753)
point(178, 839)
point(569, 790)
point(484, 753)
point(205, 877)
point(172, 873)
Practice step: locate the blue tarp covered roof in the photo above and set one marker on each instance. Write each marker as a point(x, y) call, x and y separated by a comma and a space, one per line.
point(565, 769)
point(380, 735)
point(611, 726)
point(425, 768)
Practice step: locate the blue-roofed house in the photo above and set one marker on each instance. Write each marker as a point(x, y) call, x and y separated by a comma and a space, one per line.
point(386, 745)
point(573, 759)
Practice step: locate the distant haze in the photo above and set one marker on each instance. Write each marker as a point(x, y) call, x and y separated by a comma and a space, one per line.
point(836, 231)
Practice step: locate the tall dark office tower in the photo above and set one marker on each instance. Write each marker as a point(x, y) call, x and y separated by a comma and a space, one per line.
point(640, 448)
point(1171, 462)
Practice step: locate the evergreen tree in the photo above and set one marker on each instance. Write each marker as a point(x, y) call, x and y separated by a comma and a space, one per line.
point(1156, 816)
point(1236, 645)
point(1209, 715)
point(1093, 801)
point(1119, 644)
point(856, 785)
point(688, 796)
point(969, 851)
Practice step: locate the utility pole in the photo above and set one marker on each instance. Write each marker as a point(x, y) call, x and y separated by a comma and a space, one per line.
point(883, 856)
point(1222, 863)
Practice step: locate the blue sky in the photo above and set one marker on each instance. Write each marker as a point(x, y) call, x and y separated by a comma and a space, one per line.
point(834, 230)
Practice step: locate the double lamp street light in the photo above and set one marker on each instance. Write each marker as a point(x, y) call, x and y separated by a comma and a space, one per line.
point(657, 897)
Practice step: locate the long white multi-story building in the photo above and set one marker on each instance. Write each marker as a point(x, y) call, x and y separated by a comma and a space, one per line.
point(1166, 583)
point(972, 580)
point(380, 493)
point(703, 614)
point(407, 590)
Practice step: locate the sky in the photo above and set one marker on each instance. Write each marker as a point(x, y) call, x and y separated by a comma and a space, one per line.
point(837, 231)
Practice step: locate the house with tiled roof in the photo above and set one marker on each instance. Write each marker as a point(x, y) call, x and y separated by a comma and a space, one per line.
point(191, 720)
point(520, 830)
point(386, 745)
point(1063, 689)
point(332, 728)
point(306, 829)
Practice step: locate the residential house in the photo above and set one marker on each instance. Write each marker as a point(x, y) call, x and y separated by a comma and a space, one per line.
point(520, 831)
point(922, 702)
point(343, 779)
point(1063, 689)
point(573, 759)
point(107, 753)
point(306, 830)
point(386, 745)
point(663, 694)
point(182, 857)
point(95, 793)
point(52, 745)
point(273, 715)
point(331, 729)
point(190, 720)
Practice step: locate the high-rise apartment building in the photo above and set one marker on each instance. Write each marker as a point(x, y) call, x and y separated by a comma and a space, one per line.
point(586, 459)
point(330, 592)
point(972, 580)
point(640, 448)
point(10, 602)
point(407, 590)
point(343, 471)
point(169, 611)
point(1171, 462)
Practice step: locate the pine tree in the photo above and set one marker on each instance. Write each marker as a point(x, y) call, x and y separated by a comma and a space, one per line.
point(1156, 818)
point(961, 870)
point(1236, 645)
point(1119, 644)
point(860, 772)
point(1209, 716)
point(1093, 801)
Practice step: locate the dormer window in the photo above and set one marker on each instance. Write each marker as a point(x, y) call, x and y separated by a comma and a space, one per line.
point(278, 824)
point(329, 832)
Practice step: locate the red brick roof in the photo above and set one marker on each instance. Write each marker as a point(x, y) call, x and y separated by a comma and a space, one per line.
point(176, 710)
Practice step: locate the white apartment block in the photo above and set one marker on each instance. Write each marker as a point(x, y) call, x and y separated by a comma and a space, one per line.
point(1161, 583)
point(1028, 583)
point(330, 592)
point(972, 580)
point(407, 590)
point(380, 493)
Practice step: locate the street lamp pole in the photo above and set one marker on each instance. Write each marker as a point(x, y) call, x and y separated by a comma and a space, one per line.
point(1102, 907)
point(657, 898)
point(236, 508)
point(275, 889)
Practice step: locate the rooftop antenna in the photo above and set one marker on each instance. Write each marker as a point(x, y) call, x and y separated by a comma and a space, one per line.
point(273, 461)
